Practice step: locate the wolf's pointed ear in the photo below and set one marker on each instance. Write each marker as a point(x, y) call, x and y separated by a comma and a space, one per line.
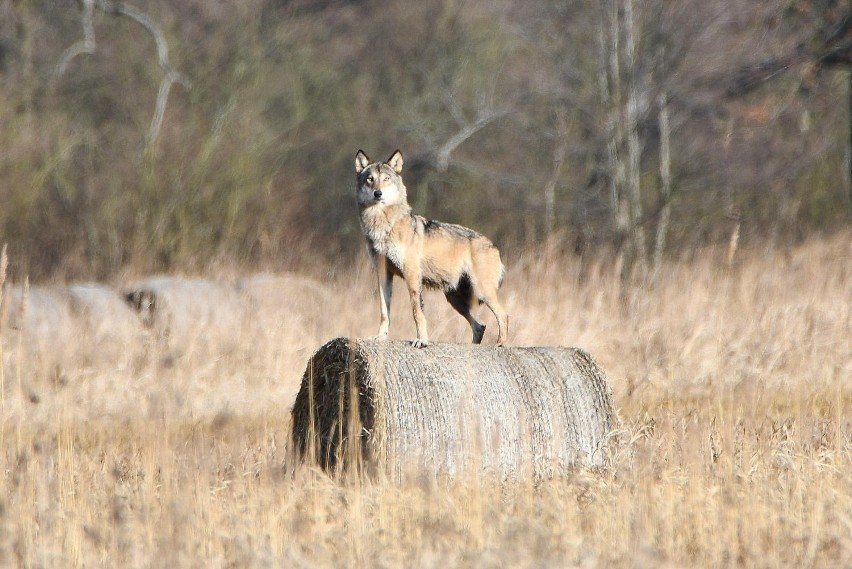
point(361, 162)
point(395, 162)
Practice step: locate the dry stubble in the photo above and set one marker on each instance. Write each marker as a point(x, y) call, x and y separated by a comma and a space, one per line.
point(733, 388)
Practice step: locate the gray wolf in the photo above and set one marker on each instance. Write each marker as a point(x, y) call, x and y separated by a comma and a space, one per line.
point(459, 261)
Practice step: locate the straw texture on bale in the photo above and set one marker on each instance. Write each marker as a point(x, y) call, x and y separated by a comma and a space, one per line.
point(450, 407)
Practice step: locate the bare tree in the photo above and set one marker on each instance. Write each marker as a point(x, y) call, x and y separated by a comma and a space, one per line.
point(634, 146)
point(665, 181)
point(559, 152)
point(624, 148)
point(610, 85)
point(849, 141)
point(88, 44)
point(485, 114)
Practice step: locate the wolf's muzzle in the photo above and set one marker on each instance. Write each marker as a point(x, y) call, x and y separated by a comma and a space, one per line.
point(377, 194)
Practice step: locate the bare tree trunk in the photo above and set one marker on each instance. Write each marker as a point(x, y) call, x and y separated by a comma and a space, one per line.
point(849, 142)
point(634, 148)
point(550, 187)
point(665, 182)
point(29, 80)
point(611, 93)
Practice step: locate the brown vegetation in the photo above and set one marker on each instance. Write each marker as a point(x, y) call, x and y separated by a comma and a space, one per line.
point(733, 387)
point(709, 139)
point(616, 123)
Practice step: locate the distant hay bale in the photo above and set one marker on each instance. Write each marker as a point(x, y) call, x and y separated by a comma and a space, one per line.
point(45, 320)
point(278, 300)
point(85, 323)
point(452, 406)
point(200, 316)
point(188, 313)
point(166, 301)
point(107, 326)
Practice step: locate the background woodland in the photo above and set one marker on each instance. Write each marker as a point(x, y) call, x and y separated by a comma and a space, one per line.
point(175, 135)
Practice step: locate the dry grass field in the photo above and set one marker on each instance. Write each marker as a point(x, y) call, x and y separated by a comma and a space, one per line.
point(733, 387)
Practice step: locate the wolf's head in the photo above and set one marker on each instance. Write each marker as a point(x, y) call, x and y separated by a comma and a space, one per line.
point(379, 183)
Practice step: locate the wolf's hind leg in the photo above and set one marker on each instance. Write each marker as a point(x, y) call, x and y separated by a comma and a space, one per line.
point(489, 297)
point(462, 299)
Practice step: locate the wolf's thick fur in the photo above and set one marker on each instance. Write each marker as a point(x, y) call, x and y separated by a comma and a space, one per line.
point(459, 261)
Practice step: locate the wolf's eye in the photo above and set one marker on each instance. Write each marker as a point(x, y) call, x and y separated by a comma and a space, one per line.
point(370, 179)
point(385, 178)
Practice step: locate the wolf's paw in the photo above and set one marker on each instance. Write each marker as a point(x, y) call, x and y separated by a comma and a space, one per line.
point(379, 338)
point(419, 343)
point(478, 333)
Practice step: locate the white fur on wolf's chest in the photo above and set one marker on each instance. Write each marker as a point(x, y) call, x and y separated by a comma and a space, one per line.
point(394, 251)
point(377, 230)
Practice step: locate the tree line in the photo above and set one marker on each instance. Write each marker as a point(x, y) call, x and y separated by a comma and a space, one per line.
point(169, 134)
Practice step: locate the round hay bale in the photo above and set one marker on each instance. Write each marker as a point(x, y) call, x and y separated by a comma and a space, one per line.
point(108, 327)
point(276, 301)
point(82, 324)
point(38, 332)
point(43, 314)
point(189, 314)
point(448, 407)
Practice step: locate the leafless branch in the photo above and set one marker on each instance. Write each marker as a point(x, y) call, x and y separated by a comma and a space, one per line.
point(467, 130)
point(162, 47)
point(88, 43)
point(85, 45)
point(453, 108)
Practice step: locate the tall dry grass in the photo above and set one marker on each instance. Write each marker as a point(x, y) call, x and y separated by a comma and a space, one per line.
point(733, 387)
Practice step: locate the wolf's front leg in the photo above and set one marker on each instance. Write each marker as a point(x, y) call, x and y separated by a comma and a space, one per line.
point(385, 278)
point(415, 286)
